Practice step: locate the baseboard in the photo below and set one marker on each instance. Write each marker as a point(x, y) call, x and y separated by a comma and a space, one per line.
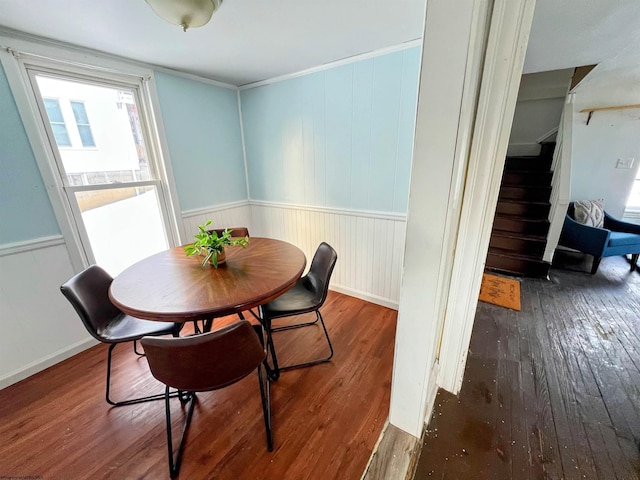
point(385, 302)
point(46, 362)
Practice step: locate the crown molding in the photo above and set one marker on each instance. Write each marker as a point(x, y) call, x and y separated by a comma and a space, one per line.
point(337, 63)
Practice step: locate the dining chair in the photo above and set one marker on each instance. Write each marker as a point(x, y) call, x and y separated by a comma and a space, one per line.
point(306, 296)
point(235, 231)
point(88, 293)
point(202, 363)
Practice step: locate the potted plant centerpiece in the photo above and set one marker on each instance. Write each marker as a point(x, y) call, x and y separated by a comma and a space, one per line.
point(211, 246)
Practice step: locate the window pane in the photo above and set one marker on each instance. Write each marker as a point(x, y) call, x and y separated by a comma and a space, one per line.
point(80, 113)
point(107, 121)
point(124, 225)
point(86, 136)
point(61, 134)
point(53, 110)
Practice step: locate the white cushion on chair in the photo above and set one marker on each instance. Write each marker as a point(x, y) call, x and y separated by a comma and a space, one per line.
point(590, 212)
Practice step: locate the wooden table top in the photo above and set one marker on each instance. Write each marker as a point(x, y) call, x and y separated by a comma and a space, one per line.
point(172, 287)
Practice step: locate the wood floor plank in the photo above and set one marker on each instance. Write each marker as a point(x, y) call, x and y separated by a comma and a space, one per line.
point(566, 370)
point(326, 419)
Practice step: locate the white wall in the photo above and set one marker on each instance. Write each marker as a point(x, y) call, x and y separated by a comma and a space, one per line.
point(540, 101)
point(41, 327)
point(610, 135)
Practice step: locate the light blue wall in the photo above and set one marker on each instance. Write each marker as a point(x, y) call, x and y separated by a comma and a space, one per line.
point(339, 138)
point(25, 210)
point(202, 125)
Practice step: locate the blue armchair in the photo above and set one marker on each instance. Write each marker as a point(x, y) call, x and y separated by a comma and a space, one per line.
point(616, 238)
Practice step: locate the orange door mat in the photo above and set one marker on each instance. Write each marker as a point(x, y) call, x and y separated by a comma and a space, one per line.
point(500, 291)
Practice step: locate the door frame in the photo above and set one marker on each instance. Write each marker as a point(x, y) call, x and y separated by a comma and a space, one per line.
point(442, 271)
point(14, 55)
point(506, 49)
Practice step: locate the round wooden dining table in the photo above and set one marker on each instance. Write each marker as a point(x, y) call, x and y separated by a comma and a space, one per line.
point(171, 287)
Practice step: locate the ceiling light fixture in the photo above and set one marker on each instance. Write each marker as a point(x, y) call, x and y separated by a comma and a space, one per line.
point(186, 13)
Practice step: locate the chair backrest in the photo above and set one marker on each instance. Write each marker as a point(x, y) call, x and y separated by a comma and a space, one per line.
point(235, 232)
point(320, 271)
point(205, 362)
point(88, 292)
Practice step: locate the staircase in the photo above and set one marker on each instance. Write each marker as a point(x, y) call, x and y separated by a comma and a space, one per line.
point(521, 224)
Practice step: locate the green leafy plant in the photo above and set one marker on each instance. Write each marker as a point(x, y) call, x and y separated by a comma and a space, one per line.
point(209, 244)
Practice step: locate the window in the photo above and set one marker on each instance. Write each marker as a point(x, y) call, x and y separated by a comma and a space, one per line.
point(82, 121)
point(114, 192)
point(57, 122)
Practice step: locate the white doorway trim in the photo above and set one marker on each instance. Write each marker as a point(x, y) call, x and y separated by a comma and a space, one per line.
point(459, 153)
point(506, 48)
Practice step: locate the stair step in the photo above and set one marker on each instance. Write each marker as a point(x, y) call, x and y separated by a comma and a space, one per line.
point(528, 163)
point(524, 225)
point(516, 264)
point(523, 208)
point(526, 192)
point(547, 150)
point(530, 245)
point(527, 177)
point(521, 225)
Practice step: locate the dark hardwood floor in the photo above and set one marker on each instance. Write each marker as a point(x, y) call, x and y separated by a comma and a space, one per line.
point(326, 419)
point(552, 391)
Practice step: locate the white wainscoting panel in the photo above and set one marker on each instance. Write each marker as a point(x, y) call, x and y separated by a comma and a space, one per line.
point(370, 245)
point(40, 326)
point(237, 214)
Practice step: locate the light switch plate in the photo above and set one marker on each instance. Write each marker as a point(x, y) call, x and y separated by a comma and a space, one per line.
point(625, 163)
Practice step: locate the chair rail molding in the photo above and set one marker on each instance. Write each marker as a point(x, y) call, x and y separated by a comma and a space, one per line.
point(233, 214)
point(30, 245)
point(214, 208)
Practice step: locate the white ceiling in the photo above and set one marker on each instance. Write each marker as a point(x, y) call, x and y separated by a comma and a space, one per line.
point(252, 40)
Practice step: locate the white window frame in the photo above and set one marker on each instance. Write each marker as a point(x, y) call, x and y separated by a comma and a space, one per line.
point(15, 55)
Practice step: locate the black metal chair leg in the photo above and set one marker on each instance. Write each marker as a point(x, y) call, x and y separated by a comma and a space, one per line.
point(320, 360)
point(297, 325)
point(265, 395)
point(175, 461)
point(196, 327)
point(273, 371)
point(135, 349)
point(131, 401)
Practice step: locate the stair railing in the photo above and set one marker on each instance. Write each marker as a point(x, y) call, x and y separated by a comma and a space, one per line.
point(561, 182)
